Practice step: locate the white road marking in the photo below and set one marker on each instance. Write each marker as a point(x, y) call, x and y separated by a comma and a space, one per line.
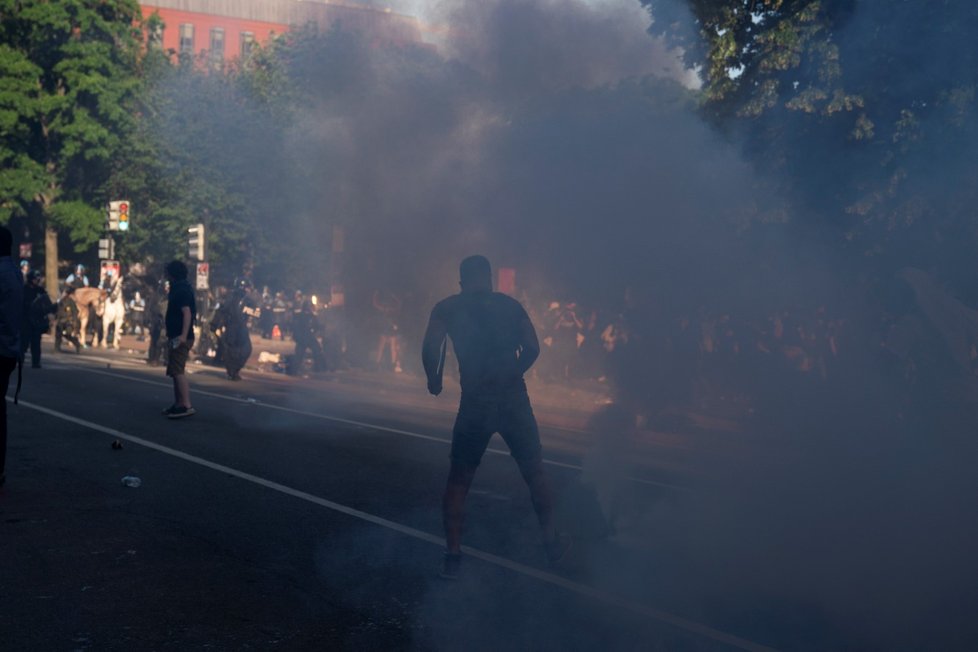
point(522, 569)
point(361, 424)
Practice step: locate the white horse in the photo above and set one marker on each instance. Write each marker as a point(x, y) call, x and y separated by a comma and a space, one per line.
point(113, 312)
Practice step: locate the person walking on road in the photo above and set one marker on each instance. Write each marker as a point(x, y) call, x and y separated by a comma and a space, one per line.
point(495, 343)
point(36, 321)
point(181, 313)
point(11, 316)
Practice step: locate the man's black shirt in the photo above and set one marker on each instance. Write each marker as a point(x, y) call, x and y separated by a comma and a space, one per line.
point(181, 294)
point(492, 336)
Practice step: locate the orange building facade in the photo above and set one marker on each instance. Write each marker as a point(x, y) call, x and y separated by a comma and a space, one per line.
point(227, 29)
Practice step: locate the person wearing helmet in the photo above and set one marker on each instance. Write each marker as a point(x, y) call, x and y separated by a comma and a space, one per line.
point(236, 339)
point(77, 278)
point(25, 268)
point(68, 322)
point(37, 308)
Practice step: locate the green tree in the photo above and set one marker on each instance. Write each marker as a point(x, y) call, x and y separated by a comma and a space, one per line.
point(864, 113)
point(67, 70)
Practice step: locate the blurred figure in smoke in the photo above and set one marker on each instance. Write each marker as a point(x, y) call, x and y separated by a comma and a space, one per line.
point(230, 324)
point(388, 305)
point(495, 344)
point(157, 305)
point(306, 329)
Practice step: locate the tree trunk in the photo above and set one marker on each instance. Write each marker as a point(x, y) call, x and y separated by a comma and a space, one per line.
point(51, 261)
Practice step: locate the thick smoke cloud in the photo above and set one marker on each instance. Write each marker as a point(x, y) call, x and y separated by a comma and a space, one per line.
point(559, 139)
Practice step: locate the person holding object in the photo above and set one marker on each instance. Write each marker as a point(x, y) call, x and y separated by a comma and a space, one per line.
point(181, 313)
point(495, 343)
point(11, 316)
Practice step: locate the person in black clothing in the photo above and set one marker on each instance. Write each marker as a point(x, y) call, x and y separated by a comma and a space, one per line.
point(181, 313)
point(11, 316)
point(306, 329)
point(156, 309)
point(230, 324)
point(68, 322)
point(37, 307)
point(495, 343)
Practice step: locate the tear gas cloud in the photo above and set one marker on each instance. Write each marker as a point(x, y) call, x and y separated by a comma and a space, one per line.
point(559, 139)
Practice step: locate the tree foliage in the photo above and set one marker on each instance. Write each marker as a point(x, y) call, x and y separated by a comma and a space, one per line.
point(66, 76)
point(865, 112)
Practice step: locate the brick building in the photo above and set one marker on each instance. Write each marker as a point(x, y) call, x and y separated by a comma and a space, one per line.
point(227, 28)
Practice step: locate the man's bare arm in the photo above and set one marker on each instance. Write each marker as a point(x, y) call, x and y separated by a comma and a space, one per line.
point(431, 353)
point(185, 326)
point(529, 345)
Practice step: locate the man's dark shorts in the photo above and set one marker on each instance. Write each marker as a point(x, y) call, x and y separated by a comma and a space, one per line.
point(482, 413)
point(177, 361)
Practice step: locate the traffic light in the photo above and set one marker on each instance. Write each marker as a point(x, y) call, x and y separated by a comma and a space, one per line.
point(123, 216)
point(119, 215)
point(195, 240)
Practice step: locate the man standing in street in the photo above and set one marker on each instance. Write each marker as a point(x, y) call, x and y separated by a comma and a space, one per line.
point(11, 315)
point(181, 313)
point(495, 344)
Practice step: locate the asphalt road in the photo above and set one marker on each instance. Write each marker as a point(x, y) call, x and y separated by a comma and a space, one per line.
point(301, 515)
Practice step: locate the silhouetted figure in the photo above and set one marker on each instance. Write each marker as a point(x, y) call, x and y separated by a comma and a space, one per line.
point(388, 306)
point(306, 329)
point(37, 307)
point(181, 314)
point(495, 344)
point(156, 307)
point(11, 316)
point(68, 322)
point(230, 325)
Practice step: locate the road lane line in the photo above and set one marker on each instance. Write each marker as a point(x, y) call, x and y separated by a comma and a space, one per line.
point(522, 569)
point(363, 424)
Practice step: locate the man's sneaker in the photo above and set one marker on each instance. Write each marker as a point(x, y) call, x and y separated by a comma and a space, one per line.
point(450, 566)
point(166, 411)
point(179, 412)
point(558, 548)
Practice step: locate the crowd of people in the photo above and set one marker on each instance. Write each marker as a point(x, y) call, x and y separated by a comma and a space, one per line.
point(580, 343)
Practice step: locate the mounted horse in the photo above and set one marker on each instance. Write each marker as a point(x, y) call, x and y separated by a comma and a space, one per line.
point(87, 298)
point(113, 312)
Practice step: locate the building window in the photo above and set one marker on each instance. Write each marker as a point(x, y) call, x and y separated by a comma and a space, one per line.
point(247, 43)
point(186, 38)
point(217, 44)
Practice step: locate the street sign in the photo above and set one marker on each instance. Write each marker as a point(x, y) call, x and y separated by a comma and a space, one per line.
point(203, 270)
point(25, 249)
point(110, 267)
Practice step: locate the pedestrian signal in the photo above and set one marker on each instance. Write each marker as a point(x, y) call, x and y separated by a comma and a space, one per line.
point(195, 242)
